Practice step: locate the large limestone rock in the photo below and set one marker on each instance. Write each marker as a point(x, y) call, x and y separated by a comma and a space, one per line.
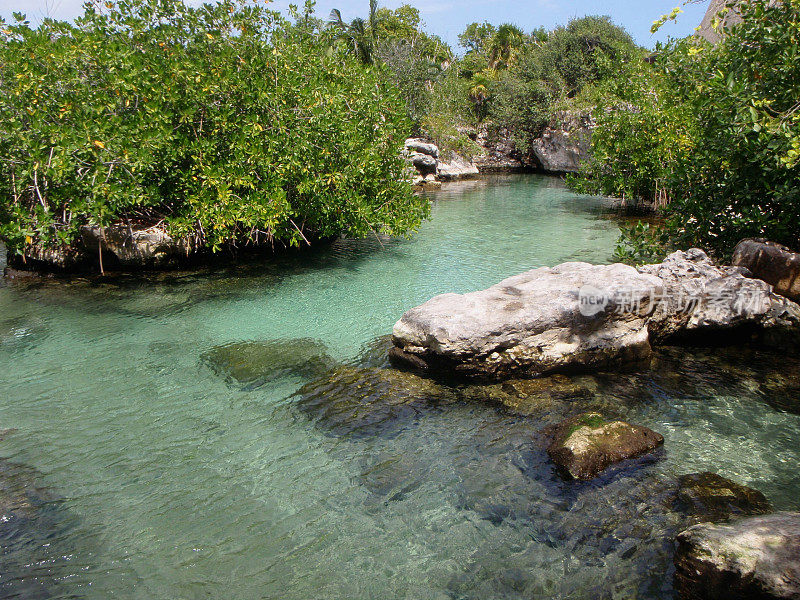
point(530, 324)
point(586, 445)
point(701, 298)
point(771, 262)
point(577, 316)
point(565, 143)
point(754, 558)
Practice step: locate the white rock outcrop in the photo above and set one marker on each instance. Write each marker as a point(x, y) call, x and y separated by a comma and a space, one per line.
point(580, 316)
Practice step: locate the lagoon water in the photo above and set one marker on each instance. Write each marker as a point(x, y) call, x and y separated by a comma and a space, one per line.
point(164, 480)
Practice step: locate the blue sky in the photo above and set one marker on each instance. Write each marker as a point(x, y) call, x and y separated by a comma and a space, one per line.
point(448, 18)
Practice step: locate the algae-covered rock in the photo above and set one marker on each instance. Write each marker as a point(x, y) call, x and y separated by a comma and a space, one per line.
point(351, 400)
point(710, 497)
point(756, 558)
point(249, 365)
point(584, 446)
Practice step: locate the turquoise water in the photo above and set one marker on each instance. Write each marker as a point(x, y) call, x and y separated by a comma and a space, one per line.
point(170, 481)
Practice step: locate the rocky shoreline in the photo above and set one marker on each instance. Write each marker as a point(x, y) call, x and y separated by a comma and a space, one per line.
point(562, 147)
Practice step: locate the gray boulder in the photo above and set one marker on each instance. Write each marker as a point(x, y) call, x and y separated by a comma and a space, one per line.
point(565, 143)
point(422, 147)
point(700, 297)
point(771, 262)
point(754, 558)
point(424, 163)
point(577, 316)
point(531, 324)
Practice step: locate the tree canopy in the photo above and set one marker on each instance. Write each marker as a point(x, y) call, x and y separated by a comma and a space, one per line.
point(226, 124)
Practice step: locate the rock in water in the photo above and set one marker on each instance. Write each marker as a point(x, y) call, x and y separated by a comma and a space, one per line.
point(710, 497)
point(755, 558)
point(370, 401)
point(586, 445)
point(531, 324)
point(249, 365)
point(578, 316)
point(771, 262)
point(700, 297)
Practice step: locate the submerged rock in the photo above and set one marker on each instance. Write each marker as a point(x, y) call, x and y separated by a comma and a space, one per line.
point(531, 324)
point(754, 558)
point(368, 401)
point(535, 396)
point(584, 446)
point(30, 524)
point(555, 386)
point(771, 262)
point(249, 365)
point(710, 497)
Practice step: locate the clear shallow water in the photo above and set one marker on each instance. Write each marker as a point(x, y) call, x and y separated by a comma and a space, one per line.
point(168, 481)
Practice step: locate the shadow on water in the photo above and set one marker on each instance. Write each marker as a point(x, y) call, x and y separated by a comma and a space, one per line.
point(33, 532)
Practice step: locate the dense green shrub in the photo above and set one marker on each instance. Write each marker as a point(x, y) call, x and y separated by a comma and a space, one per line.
point(554, 68)
point(225, 123)
point(718, 129)
point(641, 131)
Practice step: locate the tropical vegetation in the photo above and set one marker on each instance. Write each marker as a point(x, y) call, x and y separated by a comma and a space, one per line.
point(226, 124)
point(712, 135)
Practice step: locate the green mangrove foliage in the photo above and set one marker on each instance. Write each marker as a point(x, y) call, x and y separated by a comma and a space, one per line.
point(225, 124)
point(713, 133)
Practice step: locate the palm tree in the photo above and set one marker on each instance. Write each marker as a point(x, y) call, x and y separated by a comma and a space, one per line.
point(360, 37)
point(504, 46)
point(480, 89)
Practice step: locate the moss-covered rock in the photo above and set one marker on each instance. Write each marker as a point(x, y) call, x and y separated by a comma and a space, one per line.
point(710, 497)
point(249, 365)
point(584, 446)
point(351, 400)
